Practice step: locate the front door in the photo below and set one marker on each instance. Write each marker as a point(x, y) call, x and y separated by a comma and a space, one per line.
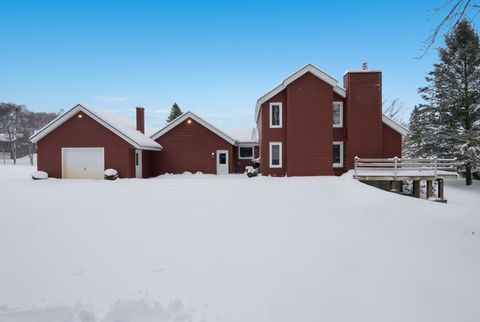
point(138, 164)
point(222, 162)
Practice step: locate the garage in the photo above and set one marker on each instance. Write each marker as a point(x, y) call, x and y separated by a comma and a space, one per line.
point(83, 163)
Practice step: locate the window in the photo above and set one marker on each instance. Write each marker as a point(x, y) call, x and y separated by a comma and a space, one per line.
point(275, 154)
point(338, 154)
point(245, 152)
point(337, 114)
point(275, 115)
point(222, 158)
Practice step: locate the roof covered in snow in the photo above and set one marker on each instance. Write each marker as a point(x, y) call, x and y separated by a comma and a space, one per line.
point(121, 126)
point(246, 135)
point(185, 116)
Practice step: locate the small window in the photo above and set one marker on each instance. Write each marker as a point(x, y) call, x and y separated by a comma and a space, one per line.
point(222, 158)
point(245, 152)
point(275, 154)
point(338, 154)
point(275, 115)
point(337, 114)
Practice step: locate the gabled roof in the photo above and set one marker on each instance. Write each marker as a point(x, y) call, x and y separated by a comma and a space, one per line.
point(246, 135)
point(118, 125)
point(309, 68)
point(397, 127)
point(199, 120)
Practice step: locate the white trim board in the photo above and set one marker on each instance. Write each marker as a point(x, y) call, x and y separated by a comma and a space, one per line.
point(196, 118)
point(340, 125)
point(81, 108)
point(338, 165)
point(280, 156)
point(246, 146)
point(280, 115)
point(309, 68)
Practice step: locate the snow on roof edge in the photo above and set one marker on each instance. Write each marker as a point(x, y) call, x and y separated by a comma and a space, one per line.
point(109, 120)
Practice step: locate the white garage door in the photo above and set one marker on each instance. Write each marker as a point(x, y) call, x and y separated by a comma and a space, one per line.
point(83, 163)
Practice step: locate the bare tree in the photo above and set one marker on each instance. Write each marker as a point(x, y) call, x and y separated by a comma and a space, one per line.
point(453, 11)
point(394, 109)
point(18, 124)
point(10, 125)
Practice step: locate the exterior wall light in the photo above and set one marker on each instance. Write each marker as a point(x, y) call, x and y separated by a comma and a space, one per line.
point(189, 121)
point(80, 116)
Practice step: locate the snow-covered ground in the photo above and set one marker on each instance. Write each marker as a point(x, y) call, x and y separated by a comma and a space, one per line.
point(20, 161)
point(207, 248)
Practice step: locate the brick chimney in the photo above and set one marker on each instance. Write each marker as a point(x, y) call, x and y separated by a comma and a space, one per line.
point(141, 119)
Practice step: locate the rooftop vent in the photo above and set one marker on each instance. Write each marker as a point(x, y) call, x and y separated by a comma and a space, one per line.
point(364, 66)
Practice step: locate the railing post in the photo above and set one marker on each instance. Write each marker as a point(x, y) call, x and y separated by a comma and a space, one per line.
point(355, 168)
point(435, 167)
point(395, 159)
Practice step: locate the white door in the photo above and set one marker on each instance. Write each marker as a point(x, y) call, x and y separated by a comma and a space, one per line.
point(222, 161)
point(83, 163)
point(138, 164)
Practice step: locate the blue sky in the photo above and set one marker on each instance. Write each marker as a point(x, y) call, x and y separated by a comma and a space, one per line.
point(214, 58)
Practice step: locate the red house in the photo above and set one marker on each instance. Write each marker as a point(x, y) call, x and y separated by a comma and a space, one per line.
point(307, 125)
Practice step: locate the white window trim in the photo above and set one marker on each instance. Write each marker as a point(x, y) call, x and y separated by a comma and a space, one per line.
point(340, 164)
point(279, 152)
point(246, 146)
point(341, 114)
point(280, 114)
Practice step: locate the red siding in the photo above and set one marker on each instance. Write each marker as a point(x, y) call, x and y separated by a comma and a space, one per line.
point(392, 143)
point(84, 132)
point(273, 135)
point(310, 131)
point(147, 163)
point(364, 116)
point(240, 164)
point(189, 147)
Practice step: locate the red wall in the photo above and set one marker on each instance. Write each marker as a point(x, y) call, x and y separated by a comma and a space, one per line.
point(268, 134)
point(189, 147)
point(364, 116)
point(240, 164)
point(310, 131)
point(392, 143)
point(307, 133)
point(84, 132)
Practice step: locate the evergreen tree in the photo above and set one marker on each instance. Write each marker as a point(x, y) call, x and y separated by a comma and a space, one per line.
point(175, 112)
point(420, 141)
point(453, 92)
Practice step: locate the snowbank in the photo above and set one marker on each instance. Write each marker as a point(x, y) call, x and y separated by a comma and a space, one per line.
point(229, 248)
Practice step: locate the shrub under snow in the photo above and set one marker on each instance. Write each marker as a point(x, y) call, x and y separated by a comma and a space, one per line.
point(111, 174)
point(39, 175)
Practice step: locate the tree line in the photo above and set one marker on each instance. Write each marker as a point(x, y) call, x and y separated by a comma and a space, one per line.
point(17, 124)
point(447, 123)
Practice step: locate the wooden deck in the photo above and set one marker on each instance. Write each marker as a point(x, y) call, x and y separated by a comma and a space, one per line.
point(396, 169)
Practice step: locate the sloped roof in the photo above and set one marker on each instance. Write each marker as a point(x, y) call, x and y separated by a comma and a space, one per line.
point(122, 127)
point(246, 135)
point(199, 120)
point(397, 127)
point(309, 68)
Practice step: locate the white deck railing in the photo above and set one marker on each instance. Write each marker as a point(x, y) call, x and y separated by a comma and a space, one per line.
point(395, 165)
